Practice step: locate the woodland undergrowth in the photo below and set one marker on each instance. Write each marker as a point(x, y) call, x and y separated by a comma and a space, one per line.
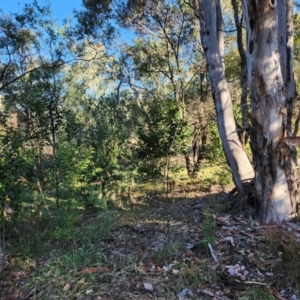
point(184, 244)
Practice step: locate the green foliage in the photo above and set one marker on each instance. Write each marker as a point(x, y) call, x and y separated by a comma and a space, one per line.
point(256, 293)
point(296, 19)
point(97, 15)
point(65, 224)
point(206, 184)
point(232, 62)
point(109, 138)
point(74, 165)
point(15, 172)
point(214, 148)
point(224, 178)
point(162, 134)
point(208, 227)
point(176, 169)
point(89, 171)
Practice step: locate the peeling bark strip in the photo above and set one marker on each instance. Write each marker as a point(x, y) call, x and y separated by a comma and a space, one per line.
point(272, 89)
point(211, 23)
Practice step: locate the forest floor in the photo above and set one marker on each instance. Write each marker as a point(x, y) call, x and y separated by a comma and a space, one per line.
point(185, 244)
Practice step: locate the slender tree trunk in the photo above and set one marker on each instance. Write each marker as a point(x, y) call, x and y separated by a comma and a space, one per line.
point(270, 74)
point(211, 23)
point(1, 260)
point(243, 76)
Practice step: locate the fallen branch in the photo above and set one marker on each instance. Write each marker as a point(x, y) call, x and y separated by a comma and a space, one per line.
point(208, 293)
point(255, 282)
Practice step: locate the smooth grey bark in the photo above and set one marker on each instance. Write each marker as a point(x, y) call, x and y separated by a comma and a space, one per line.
point(243, 74)
point(212, 39)
point(272, 90)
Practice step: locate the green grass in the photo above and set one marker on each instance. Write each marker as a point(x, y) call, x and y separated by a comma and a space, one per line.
point(67, 256)
point(67, 252)
point(256, 293)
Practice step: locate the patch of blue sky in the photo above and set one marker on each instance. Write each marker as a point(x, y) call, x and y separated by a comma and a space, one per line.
point(60, 8)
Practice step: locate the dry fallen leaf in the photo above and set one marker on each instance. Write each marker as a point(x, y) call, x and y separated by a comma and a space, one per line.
point(67, 287)
point(169, 267)
point(148, 286)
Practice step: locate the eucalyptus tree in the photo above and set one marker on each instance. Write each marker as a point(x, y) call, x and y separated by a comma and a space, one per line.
point(269, 27)
point(272, 87)
point(212, 38)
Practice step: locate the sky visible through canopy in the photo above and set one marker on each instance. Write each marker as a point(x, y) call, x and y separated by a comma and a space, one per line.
point(60, 8)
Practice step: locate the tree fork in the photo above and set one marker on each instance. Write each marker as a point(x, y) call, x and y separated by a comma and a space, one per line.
point(212, 39)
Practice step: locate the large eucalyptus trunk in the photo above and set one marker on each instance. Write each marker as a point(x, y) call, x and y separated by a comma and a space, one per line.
point(272, 89)
point(212, 38)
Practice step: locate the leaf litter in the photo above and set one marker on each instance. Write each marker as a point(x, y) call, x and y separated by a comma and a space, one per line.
point(173, 249)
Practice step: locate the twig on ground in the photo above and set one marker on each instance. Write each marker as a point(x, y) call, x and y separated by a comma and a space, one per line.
point(255, 282)
point(213, 253)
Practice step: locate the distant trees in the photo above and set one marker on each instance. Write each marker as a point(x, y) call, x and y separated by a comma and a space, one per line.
point(167, 58)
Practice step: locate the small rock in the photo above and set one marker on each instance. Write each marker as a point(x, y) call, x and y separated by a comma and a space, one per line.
point(89, 292)
point(184, 293)
point(148, 286)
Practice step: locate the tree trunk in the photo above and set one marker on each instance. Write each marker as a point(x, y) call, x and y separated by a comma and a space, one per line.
point(243, 76)
point(272, 89)
point(211, 23)
point(1, 260)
